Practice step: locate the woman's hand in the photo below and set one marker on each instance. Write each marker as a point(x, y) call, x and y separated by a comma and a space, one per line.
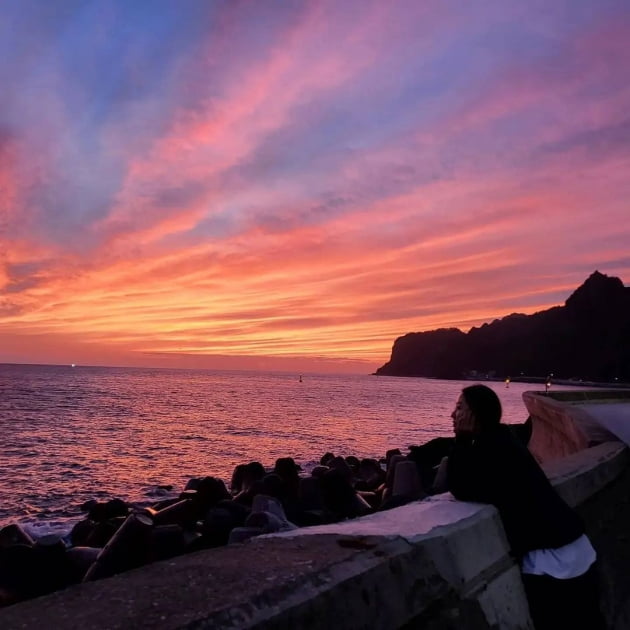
point(463, 418)
point(465, 423)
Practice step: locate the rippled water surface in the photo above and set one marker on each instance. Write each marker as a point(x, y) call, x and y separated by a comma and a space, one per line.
point(71, 434)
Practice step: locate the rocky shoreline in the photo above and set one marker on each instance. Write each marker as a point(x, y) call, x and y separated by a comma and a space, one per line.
point(115, 535)
point(585, 339)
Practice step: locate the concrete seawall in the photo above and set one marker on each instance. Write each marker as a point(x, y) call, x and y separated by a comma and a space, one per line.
point(432, 564)
point(567, 422)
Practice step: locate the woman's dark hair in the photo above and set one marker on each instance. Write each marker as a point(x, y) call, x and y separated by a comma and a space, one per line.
point(484, 404)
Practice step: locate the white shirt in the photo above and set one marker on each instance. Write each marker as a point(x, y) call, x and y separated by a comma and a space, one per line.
point(562, 563)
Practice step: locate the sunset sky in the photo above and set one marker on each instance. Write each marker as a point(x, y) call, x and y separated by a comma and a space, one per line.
point(292, 185)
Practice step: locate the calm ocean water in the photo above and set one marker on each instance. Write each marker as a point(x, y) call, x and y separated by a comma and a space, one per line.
point(72, 434)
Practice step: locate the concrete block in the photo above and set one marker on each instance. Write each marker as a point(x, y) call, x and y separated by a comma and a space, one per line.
point(581, 475)
point(469, 551)
point(504, 603)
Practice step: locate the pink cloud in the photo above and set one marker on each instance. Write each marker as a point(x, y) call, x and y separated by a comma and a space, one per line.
point(450, 222)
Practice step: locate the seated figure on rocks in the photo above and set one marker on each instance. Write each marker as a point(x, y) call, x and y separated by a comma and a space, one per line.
point(490, 465)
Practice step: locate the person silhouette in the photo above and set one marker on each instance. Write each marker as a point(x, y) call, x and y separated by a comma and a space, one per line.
point(490, 465)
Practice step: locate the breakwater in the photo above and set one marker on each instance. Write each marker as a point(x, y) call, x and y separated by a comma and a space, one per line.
point(438, 562)
point(116, 536)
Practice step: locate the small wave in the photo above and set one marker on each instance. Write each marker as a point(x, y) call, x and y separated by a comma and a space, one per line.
point(38, 528)
point(21, 452)
point(164, 491)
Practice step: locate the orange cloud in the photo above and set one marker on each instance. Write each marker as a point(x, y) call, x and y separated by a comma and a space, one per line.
point(210, 241)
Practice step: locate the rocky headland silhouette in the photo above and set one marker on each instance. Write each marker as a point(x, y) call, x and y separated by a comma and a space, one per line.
point(588, 338)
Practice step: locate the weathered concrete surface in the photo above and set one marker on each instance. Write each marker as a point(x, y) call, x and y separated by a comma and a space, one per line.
point(614, 416)
point(567, 422)
point(607, 518)
point(173, 594)
point(316, 581)
point(464, 541)
point(581, 475)
point(597, 483)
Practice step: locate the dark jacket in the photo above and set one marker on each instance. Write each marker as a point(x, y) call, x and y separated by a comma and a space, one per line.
point(493, 467)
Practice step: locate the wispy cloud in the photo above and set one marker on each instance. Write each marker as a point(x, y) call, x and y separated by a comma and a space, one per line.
point(302, 179)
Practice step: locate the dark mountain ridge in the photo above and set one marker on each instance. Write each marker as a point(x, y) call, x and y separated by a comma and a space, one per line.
point(587, 338)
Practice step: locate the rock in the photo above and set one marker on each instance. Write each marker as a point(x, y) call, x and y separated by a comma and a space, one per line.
point(588, 337)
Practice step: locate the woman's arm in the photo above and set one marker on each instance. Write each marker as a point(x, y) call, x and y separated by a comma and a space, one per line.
point(467, 472)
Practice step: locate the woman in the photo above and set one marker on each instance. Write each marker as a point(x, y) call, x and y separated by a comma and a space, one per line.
point(488, 464)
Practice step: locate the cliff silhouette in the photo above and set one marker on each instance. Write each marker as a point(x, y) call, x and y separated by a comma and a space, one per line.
point(587, 338)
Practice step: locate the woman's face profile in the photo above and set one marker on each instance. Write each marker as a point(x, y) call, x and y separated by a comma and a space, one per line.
point(463, 419)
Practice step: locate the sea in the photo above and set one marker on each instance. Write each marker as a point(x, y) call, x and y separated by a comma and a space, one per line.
point(73, 433)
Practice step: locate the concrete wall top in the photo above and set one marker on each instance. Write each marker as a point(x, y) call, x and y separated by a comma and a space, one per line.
point(612, 415)
point(579, 476)
point(411, 521)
